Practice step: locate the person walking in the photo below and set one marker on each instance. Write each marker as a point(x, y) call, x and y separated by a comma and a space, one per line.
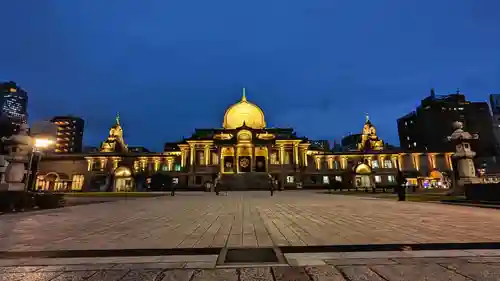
point(401, 186)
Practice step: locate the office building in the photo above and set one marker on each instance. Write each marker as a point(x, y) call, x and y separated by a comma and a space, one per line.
point(13, 107)
point(69, 134)
point(426, 128)
point(495, 110)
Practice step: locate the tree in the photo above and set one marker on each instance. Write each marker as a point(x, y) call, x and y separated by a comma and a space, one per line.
point(161, 182)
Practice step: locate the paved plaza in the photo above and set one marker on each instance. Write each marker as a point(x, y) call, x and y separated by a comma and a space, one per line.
point(245, 219)
point(430, 266)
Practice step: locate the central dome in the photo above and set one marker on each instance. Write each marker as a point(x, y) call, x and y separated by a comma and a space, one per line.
point(244, 112)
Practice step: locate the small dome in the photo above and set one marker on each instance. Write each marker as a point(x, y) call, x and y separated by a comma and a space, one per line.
point(244, 112)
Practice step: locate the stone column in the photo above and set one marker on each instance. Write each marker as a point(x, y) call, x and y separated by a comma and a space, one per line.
point(191, 157)
point(235, 160)
point(430, 160)
point(207, 154)
point(268, 160)
point(170, 163)
point(183, 157)
point(317, 161)
point(395, 163)
point(219, 156)
point(449, 161)
point(253, 162)
point(282, 154)
point(296, 154)
point(90, 164)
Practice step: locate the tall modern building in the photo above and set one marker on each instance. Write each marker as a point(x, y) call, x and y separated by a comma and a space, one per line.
point(13, 107)
point(426, 128)
point(495, 110)
point(69, 134)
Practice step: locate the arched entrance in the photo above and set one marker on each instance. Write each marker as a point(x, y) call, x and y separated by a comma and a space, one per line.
point(123, 180)
point(362, 178)
point(435, 180)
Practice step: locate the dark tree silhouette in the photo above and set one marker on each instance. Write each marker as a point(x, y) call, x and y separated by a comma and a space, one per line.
point(161, 182)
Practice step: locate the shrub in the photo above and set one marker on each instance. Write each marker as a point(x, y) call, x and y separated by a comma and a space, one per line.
point(49, 200)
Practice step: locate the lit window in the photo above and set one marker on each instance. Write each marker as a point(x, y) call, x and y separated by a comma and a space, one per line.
point(375, 164)
point(408, 138)
point(338, 178)
point(406, 123)
point(391, 179)
point(378, 179)
point(77, 182)
point(290, 179)
point(326, 180)
point(387, 164)
point(414, 144)
point(175, 180)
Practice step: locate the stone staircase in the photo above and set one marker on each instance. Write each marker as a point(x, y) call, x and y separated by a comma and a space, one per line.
point(245, 181)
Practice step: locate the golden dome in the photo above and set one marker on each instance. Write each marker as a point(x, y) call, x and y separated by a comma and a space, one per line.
point(244, 112)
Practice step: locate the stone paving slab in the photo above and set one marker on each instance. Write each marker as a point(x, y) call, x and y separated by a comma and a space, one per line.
point(391, 269)
point(245, 219)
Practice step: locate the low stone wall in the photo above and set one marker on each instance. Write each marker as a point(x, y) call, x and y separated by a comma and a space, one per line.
point(483, 192)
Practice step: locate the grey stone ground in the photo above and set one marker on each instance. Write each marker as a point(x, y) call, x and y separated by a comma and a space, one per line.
point(385, 266)
point(250, 219)
point(245, 219)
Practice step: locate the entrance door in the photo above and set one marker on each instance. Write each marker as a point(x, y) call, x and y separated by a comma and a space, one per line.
point(260, 163)
point(363, 181)
point(228, 164)
point(123, 184)
point(245, 164)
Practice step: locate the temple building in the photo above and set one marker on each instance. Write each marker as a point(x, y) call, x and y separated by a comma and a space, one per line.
point(244, 147)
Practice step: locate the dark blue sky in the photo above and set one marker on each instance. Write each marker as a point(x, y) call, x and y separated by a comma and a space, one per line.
point(171, 66)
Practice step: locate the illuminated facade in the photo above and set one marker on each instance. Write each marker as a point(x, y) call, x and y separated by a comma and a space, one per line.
point(244, 145)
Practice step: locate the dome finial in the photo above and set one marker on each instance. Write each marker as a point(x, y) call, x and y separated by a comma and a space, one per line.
point(117, 118)
point(367, 117)
point(244, 96)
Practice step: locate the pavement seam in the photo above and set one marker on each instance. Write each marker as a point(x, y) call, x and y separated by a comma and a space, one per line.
point(455, 271)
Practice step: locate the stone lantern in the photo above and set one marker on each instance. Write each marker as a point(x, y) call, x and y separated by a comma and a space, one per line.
point(18, 147)
point(464, 156)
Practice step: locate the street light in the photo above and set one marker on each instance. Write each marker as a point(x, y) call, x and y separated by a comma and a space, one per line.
point(39, 144)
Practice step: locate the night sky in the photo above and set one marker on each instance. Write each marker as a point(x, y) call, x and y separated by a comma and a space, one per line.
point(172, 66)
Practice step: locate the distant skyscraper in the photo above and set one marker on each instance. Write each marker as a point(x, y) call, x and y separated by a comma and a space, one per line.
point(495, 104)
point(495, 110)
point(321, 144)
point(13, 107)
point(426, 128)
point(69, 134)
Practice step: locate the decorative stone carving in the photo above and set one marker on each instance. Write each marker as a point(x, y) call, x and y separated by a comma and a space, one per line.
point(19, 148)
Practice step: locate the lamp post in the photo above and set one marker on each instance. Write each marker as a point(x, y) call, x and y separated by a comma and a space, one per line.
point(39, 144)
